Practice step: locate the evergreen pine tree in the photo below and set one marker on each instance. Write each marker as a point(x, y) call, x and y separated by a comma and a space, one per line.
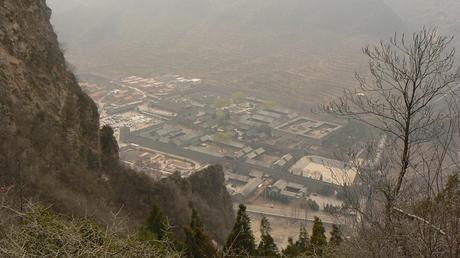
point(267, 246)
point(156, 226)
point(291, 249)
point(318, 238)
point(196, 222)
point(303, 243)
point(241, 241)
point(336, 236)
point(198, 244)
point(301, 247)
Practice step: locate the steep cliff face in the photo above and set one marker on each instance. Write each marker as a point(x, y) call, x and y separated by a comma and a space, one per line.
point(49, 129)
point(52, 149)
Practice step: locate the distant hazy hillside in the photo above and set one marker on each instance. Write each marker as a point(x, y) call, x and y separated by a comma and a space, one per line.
point(297, 44)
point(290, 18)
point(443, 14)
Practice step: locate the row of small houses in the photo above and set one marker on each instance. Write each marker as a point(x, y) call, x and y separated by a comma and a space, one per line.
point(249, 153)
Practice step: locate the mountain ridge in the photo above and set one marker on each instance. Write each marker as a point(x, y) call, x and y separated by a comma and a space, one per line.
point(53, 151)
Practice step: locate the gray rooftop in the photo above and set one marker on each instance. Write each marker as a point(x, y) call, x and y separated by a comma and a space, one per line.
point(238, 177)
point(252, 155)
point(269, 114)
point(280, 184)
point(250, 187)
point(260, 151)
point(256, 173)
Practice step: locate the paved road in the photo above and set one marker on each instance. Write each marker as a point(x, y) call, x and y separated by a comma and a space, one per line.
point(280, 213)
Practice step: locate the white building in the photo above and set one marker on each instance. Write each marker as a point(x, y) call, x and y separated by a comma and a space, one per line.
point(324, 169)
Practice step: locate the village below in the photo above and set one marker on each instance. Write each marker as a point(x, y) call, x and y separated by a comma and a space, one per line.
point(279, 162)
point(229, 129)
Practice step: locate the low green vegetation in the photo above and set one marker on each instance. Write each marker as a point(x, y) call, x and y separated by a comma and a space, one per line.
point(313, 205)
point(38, 232)
point(198, 243)
point(156, 226)
point(41, 233)
point(241, 240)
point(267, 246)
point(238, 97)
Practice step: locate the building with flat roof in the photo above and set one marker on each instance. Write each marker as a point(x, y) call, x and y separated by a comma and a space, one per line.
point(236, 178)
point(252, 155)
point(260, 151)
point(247, 150)
point(326, 170)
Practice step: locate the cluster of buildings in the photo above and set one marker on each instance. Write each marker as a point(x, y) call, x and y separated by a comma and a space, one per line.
point(242, 187)
point(170, 134)
point(134, 120)
point(251, 133)
point(158, 88)
point(249, 153)
point(157, 164)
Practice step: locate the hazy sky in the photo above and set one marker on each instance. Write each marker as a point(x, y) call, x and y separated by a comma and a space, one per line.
point(249, 43)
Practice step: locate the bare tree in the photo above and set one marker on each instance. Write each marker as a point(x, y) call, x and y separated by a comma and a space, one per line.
point(409, 79)
point(409, 96)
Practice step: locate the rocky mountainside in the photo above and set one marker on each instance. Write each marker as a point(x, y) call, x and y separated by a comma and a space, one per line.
point(49, 127)
point(52, 149)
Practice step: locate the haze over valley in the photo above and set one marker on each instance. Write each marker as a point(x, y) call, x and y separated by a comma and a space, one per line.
point(218, 128)
point(288, 49)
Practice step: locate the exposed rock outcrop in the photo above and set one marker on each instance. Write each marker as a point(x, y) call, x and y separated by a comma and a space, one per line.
point(52, 149)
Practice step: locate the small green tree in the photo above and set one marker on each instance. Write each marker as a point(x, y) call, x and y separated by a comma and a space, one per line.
point(198, 244)
point(270, 104)
point(336, 236)
point(238, 97)
point(301, 247)
point(221, 102)
point(222, 117)
point(267, 246)
point(303, 242)
point(291, 249)
point(241, 241)
point(313, 205)
point(156, 226)
point(318, 238)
